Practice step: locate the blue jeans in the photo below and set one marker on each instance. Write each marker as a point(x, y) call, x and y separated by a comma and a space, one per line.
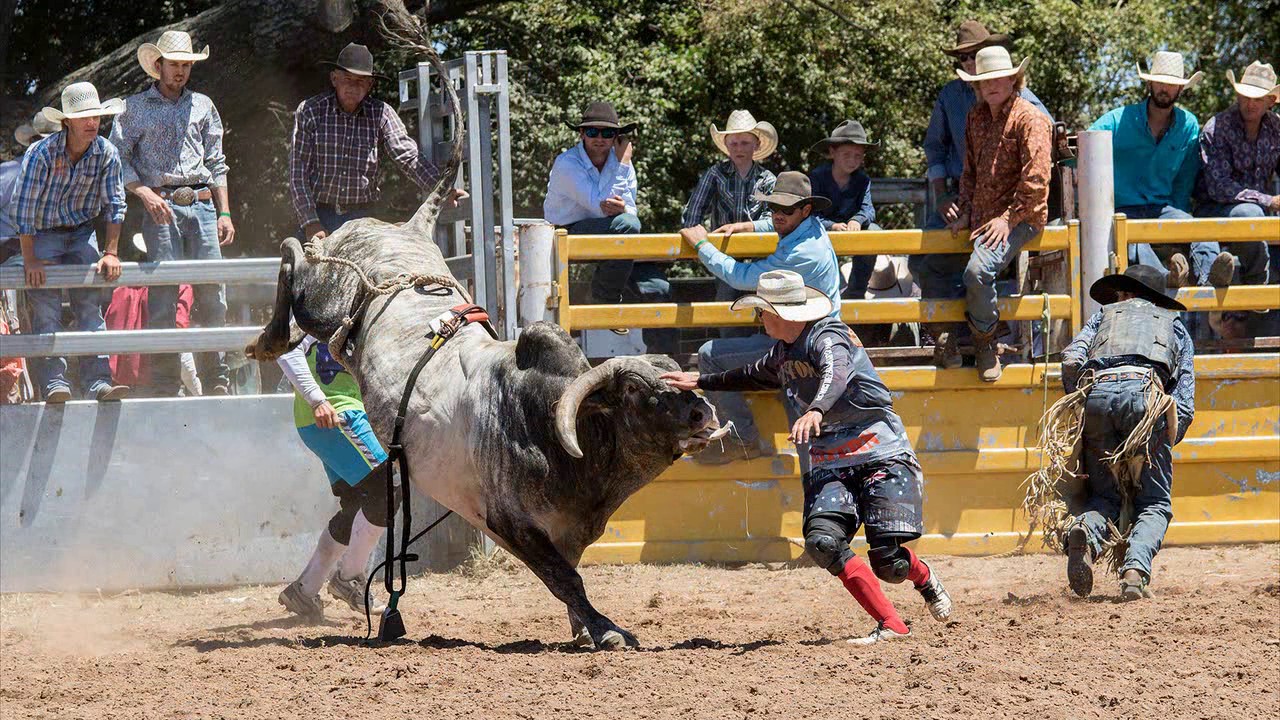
point(191, 235)
point(860, 273)
point(74, 247)
point(1202, 254)
point(1111, 411)
point(619, 281)
point(1252, 258)
point(331, 219)
point(980, 276)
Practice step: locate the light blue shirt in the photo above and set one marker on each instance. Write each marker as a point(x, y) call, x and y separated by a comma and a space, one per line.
point(944, 139)
point(806, 250)
point(576, 188)
point(1147, 172)
point(9, 172)
point(170, 142)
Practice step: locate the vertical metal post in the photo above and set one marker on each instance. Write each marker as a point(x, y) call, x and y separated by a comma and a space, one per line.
point(537, 273)
point(1097, 205)
point(481, 250)
point(509, 315)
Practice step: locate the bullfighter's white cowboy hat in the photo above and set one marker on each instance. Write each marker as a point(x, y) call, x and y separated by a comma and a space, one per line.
point(741, 121)
point(1168, 68)
point(172, 45)
point(1258, 80)
point(783, 293)
point(80, 100)
point(991, 63)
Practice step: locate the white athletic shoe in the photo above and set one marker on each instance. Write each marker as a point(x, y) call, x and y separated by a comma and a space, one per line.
point(351, 592)
point(296, 601)
point(880, 634)
point(935, 596)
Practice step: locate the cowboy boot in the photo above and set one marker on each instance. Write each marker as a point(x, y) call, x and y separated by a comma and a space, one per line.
point(986, 356)
point(946, 354)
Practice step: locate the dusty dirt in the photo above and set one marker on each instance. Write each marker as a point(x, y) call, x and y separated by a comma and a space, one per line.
point(718, 643)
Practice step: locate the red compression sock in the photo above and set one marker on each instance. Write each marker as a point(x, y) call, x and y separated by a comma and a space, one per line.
point(863, 585)
point(919, 572)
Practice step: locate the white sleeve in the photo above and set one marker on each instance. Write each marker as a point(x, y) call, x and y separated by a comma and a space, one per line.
point(294, 365)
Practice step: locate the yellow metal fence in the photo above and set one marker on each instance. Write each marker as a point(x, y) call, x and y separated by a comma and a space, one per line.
point(976, 441)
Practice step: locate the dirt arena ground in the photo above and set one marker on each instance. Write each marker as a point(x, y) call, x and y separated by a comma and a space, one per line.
point(753, 642)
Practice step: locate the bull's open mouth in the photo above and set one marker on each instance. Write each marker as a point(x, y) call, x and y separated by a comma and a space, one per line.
point(703, 437)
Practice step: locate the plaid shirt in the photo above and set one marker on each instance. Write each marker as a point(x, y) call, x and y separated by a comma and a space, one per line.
point(1006, 165)
point(170, 142)
point(334, 156)
point(1236, 170)
point(52, 192)
point(728, 197)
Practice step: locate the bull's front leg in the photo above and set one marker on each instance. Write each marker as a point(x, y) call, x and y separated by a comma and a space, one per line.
point(534, 548)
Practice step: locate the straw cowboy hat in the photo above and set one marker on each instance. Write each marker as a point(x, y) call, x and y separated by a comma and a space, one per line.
point(80, 100)
point(741, 121)
point(783, 293)
point(172, 45)
point(993, 62)
point(1141, 280)
point(1258, 80)
point(973, 35)
point(792, 188)
point(849, 132)
point(357, 60)
point(889, 279)
point(39, 128)
point(601, 115)
point(1167, 67)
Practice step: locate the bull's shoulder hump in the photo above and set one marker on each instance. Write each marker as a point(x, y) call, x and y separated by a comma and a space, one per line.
point(547, 347)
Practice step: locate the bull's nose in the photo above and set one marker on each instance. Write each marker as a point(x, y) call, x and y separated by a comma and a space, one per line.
point(698, 416)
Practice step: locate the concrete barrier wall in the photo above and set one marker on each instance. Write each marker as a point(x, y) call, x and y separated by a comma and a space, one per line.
point(165, 493)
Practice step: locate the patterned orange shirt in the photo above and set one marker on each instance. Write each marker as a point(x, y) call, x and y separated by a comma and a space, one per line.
point(1006, 165)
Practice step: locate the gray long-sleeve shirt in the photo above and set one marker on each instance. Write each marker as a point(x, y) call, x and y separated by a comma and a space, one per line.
point(1182, 384)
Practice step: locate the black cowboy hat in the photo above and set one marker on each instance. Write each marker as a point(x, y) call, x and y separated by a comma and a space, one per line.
point(357, 60)
point(972, 36)
point(1143, 281)
point(793, 188)
point(601, 115)
point(849, 132)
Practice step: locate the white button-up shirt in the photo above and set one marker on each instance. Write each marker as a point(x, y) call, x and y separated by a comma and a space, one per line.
point(576, 188)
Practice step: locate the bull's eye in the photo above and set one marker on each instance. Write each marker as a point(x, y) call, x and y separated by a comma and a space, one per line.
point(653, 401)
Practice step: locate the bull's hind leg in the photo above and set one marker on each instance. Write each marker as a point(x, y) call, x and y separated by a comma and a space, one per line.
point(534, 548)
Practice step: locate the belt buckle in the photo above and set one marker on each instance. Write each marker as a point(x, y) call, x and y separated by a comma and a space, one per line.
point(183, 196)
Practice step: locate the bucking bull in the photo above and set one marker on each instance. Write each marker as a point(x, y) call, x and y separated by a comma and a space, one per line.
point(523, 439)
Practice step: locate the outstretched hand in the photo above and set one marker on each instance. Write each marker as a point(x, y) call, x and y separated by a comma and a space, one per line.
point(681, 380)
point(809, 425)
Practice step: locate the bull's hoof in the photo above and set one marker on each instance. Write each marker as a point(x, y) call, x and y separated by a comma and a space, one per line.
point(582, 639)
point(617, 639)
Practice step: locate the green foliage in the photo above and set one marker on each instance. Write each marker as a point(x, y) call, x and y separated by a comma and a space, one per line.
point(675, 67)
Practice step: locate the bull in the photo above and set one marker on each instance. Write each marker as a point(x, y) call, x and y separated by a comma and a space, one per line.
point(523, 439)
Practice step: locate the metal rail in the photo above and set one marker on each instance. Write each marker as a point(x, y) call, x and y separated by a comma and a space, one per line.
point(114, 342)
point(248, 271)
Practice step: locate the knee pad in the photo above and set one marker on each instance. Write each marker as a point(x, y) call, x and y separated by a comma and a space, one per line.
point(373, 496)
point(891, 563)
point(340, 523)
point(827, 544)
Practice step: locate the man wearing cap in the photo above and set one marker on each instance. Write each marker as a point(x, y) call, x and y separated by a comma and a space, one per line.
point(170, 142)
point(1155, 156)
point(1240, 152)
point(334, 155)
point(863, 471)
point(1004, 193)
point(804, 248)
point(844, 181)
point(592, 191)
point(1134, 361)
point(69, 179)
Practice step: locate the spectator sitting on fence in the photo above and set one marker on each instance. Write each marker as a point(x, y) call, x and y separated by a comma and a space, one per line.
point(844, 181)
point(1240, 151)
point(1004, 191)
point(1156, 155)
point(804, 248)
point(170, 142)
point(592, 191)
point(68, 180)
point(130, 309)
point(333, 157)
point(940, 276)
point(727, 189)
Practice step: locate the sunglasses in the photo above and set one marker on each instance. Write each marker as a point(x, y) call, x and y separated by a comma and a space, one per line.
point(785, 210)
point(606, 133)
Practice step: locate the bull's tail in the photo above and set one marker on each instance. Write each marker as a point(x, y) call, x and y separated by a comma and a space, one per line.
point(410, 32)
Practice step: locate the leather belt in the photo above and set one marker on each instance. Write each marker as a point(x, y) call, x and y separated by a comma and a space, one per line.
point(184, 195)
point(1117, 375)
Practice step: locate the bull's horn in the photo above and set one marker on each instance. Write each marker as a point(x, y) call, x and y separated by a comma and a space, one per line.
point(578, 390)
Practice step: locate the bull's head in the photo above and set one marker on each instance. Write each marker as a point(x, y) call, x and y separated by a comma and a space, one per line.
point(643, 407)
